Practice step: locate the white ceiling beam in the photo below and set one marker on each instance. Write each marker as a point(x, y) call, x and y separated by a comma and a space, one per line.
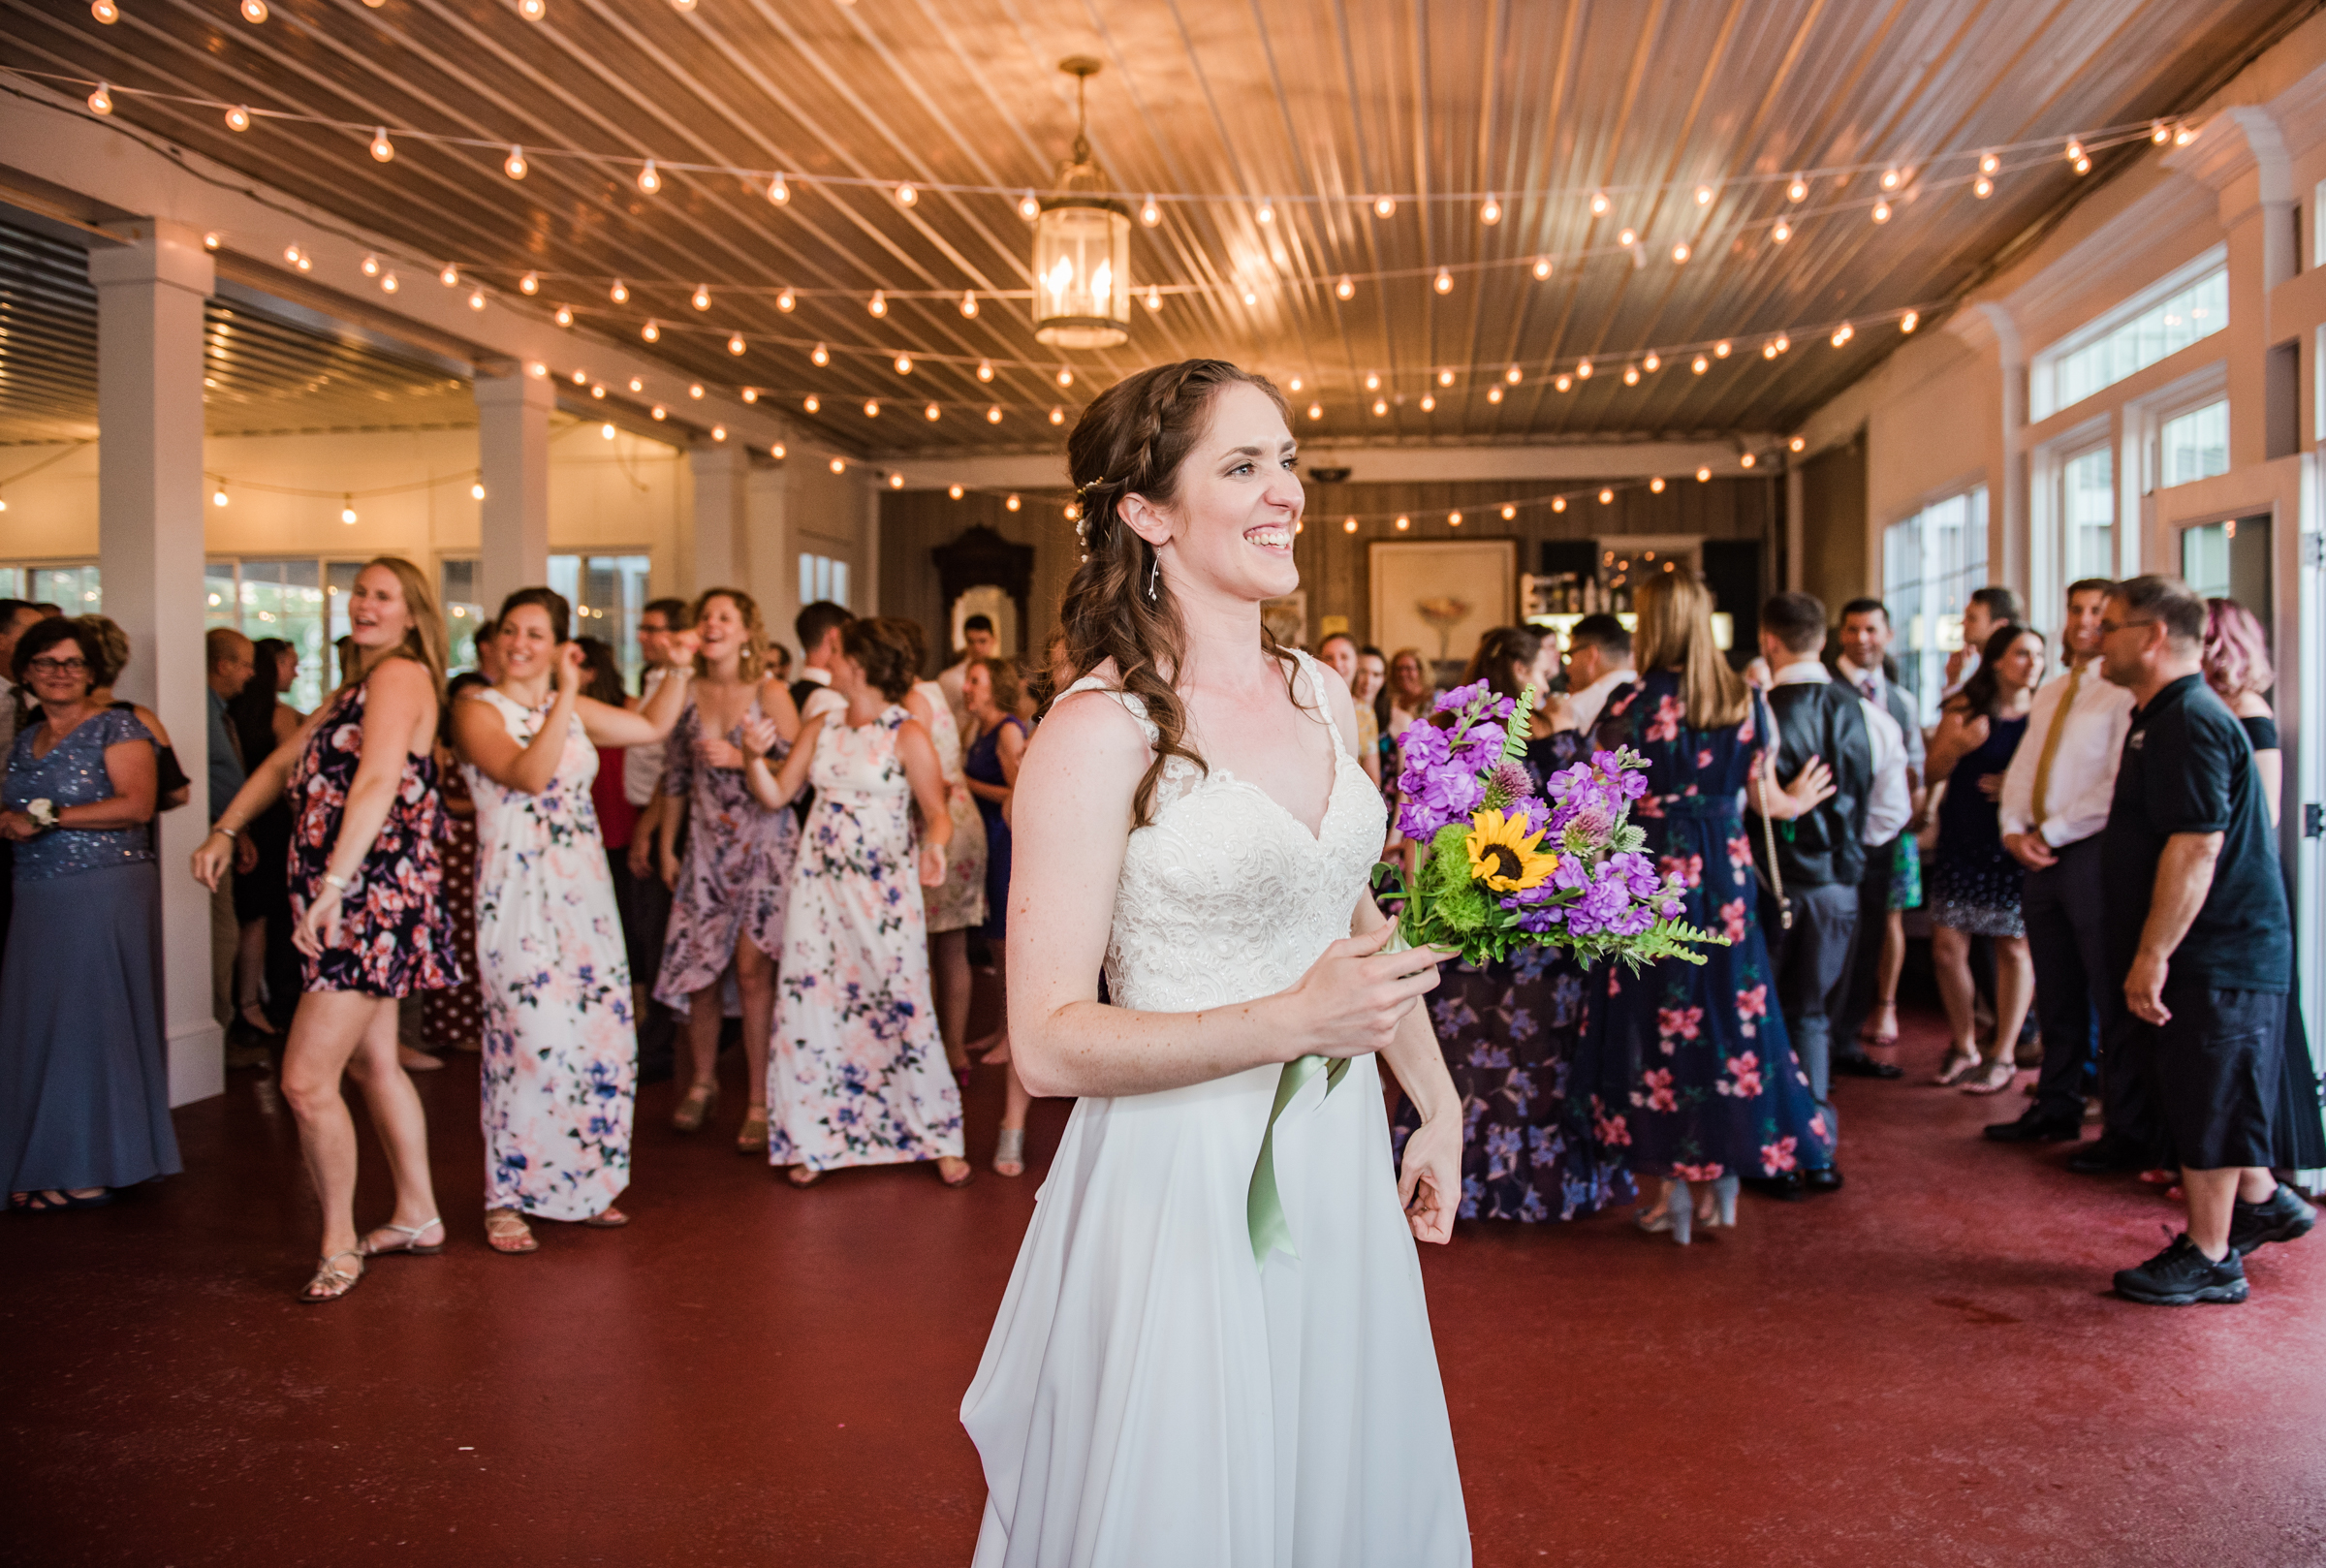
point(1392, 465)
point(58, 142)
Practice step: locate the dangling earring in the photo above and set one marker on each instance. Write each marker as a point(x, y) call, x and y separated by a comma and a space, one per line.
point(1154, 572)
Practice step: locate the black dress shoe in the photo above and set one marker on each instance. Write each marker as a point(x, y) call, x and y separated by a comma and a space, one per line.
point(1824, 1179)
point(1786, 1188)
point(2034, 1127)
point(2106, 1157)
point(1862, 1066)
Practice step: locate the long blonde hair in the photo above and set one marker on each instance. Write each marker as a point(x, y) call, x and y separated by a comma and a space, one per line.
point(752, 664)
point(423, 643)
point(1674, 632)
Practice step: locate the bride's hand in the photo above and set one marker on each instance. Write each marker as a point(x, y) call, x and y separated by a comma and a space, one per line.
point(1352, 998)
point(1430, 1178)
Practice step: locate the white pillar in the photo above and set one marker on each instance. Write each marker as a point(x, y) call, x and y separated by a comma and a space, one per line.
point(513, 455)
point(773, 577)
point(2011, 554)
point(150, 295)
point(722, 547)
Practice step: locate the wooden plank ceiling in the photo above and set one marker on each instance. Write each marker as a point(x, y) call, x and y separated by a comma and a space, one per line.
point(1310, 106)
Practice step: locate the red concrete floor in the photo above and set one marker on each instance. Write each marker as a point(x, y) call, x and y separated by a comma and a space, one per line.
point(1922, 1370)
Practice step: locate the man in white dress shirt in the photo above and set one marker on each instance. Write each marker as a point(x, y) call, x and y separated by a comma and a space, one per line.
point(1599, 660)
point(818, 627)
point(1861, 664)
point(2053, 803)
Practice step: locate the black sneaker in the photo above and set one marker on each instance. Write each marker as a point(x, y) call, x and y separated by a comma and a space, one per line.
point(2181, 1276)
point(2286, 1217)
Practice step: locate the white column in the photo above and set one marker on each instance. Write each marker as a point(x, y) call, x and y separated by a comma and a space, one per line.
point(773, 577)
point(513, 454)
point(2011, 554)
point(722, 547)
point(149, 520)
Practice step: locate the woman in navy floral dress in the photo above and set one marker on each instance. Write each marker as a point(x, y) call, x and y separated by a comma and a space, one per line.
point(1709, 1087)
point(1515, 1033)
point(367, 908)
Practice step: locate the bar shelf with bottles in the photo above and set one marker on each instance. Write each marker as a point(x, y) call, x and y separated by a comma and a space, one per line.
point(1557, 600)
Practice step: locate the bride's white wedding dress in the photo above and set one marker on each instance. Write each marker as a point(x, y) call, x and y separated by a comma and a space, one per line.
point(1149, 1396)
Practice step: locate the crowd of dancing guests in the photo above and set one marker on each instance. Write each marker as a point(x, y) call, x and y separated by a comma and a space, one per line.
point(2093, 846)
point(570, 877)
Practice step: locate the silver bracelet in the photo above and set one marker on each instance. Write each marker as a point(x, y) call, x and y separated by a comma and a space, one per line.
point(331, 881)
point(222, 828)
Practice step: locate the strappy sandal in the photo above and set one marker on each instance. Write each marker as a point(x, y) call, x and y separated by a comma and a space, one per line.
point(608, 1219)
point(695, 1109)
point(506, 1231)
point(967, 1176)
point(803, 1176)
point(56, 1200)
point(330, 1283)
point(1996, 1078)
point(1009, 1152)
point(410, 1243)
point(753, 1139)
point(1957, 1067)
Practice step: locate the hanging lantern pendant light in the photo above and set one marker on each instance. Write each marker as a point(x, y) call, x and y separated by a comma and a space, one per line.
point(1082, 244)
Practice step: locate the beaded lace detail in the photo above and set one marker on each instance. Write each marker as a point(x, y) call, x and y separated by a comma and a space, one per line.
point(1226, 896)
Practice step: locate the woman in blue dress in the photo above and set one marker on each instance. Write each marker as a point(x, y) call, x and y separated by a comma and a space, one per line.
point(989, 768)
point(1513, 1032)
point(1704, 1084)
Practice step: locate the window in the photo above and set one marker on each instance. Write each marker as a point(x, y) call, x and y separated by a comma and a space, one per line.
point(2194, 445)
point(823, 577)
point(298, 599)
point(607, 592)
point(2087, 514)
point(2192, 309)
point(72, 587)
point(1931, 562)
point(457, 594)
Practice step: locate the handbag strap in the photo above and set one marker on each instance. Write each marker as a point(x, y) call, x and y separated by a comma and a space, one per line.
point(1775, 880)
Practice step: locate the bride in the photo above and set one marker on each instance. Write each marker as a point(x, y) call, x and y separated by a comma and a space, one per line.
point(1190, 816)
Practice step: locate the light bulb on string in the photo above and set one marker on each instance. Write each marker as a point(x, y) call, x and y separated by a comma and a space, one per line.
point(371, 267)
point(1746, 461)
point(1509, 512)
point(1703, 475)
point(1491, 212)
point(1453, 518)
point(871, 408)
point(1381, 407)
point(778, 192)
point(1012, 503)
point(993, 414)
point(694, 389)
point(904, 364)
point(2075, 149)
point(347, 509)
point(387, 284)
point(1798, 190)
point(1149, 213)
point(106, 11)
point(1631, 375)
point(100, 101)
point(1428, 403)
point(1891, 178)
point(1267, 212)
point(1881, 212)
point(1028, 207)
point(718, 432)
point(954, 490)
point(1843, 333)
point(514, 166)
point(1372, 380)
point(1065, 378)
point(649, 179)
point(811, 403)
point(2159, 132)
point(2083, 166)
point(651, 333)
point(785, 301)
point(750, 394)
point(1607, 497)
point(636, 384)
point(1542, 268)
point(1720, 350)
point(1653, 362)
point(736, 344)
point(1982, 187)
point(1783, 342)
point(701, 299)
point(306, 262)
point(1154, 297)
point(968, 305)
point(1494, 395)
point(1384, 206)
point(581, 377)
point(930, 412)
point(1680, 253)
point(906, 196)
point(1655, 485)
point(476, 299)
point(1558, 503)
point(1295, 383)
point(1582, 370)
point(2184, 135)
point(1563, 382)
point(1251, 295)
point(895, 480)
point(1910, 321)
point(878, 305)
point(984, 368)
point(1344, 289)
point(619, 294)
point(450, 276)
point(1514, 375)
point(1316, 410)
point(218, 495)
point(1403, 522)
point(839, 465)
point(1782, 231)
point(254, 12)
point(1700, 364)
point(1627, 237)
point(383, 150)
point(1769, 350)
point(1599, 203)
point(532, 10)
point(476, 492)
point(564, 316)
point(1797, 444)
point(238, 119)
point(1444, 282)
point(1057, 415)
point(529, 284)
point(210, 240)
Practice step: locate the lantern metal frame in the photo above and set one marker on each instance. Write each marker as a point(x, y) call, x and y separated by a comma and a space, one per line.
point(1075, 219)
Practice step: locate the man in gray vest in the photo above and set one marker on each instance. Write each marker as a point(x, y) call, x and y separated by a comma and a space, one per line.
point(1869, 980)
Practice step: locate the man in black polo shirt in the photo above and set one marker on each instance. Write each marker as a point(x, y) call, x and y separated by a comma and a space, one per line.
point(2197, 924)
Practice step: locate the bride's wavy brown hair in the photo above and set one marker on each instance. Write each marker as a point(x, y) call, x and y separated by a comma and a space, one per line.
point(1131, 441)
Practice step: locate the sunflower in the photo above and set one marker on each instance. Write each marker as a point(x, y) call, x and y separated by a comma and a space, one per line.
point(1503, 854)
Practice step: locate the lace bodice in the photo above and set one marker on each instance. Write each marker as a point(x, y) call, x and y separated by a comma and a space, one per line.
point(1225, 897)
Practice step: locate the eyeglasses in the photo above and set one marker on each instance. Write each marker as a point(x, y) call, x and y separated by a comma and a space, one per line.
point(56, 667)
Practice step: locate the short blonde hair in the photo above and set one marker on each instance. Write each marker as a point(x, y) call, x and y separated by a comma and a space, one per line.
point(754, 662)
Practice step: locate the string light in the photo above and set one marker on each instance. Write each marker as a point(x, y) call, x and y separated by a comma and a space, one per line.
point(238, 119)
point(1653, 362)
point(100, 101)
point(968, 305)
point(1582, 370)
point(1606, 498)
point(1842, 334)
point(778, 192)
point(695, 390)
point(649, 179)
point(1509, 512)
point(1599, 203)
point(1154, 297)
point(1627, 239)
point(1372, 380)
point(1344, 289)
point(529, 284)
point(906, 196)
point(1700, 364)
point(1403, 522)
point(1429, 403)
point(1680, 253)
point(750, 394)
point(1720, 350)
point(1491, 212)
point(1149, 213)
point(1267, 212)
point(1057, 415)
point(1454, 520)
point(650, 332)
point(636, 384)
point(701, 299)
point(476, 492)
point(564, 316)
point(1514, 375)
point(1028, 207)
point(1444, 281)
point(1703, 475)
point(784, 302)
point(879, 305)
point(993, 414)
point(371, 267)
point(532, 10)
point(810, 403)
point(106, 11)
point(1381, 407)
point(1558, 503)
point(1494, 395)
point(383, 150)
point(1348, 525)
point(931, 413)
point(896, 482)
point(1542, 268)
point(1562, 381)
point(736, 344)
point(254, 12)
point(1746, 460)
point(1797, 444)
point(1881, 212)
point(1655, 485)
point(1798, 191)
point(718, 432)
point(954, 490)
point(476, 299)
point(513, 166)
point(218, 495)
point(1065, 378)
point(1012, 503)
point(1982, 187)
point(1383, 207)
point(1910, 321)
point(1891, 178)
point(347, 503)
point(210, 240)
point(619, 294)
point(984, 368)
point(1631, 375)
point(904, 364)
point(387, 283)
point(839, 465)
point(871, 408)
point(1316, 410)
point(1782, 231)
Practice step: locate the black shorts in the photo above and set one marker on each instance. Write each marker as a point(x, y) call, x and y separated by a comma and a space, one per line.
point(2217, 1066)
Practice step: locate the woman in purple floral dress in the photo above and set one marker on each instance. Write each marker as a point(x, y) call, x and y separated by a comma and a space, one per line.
point(728, 893)
point(1702, 1085)
point(560, 1069)
point(367, 904)
point(859, 1075)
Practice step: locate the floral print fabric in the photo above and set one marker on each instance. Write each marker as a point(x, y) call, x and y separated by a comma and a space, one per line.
point(960, 902)
point(560, 1065)
point(454, 1020)
point(395, 936)
point(732, 872)
point(1708, 1082)
point(857, 1075)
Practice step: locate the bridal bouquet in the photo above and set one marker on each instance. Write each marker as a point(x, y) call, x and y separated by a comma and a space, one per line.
point(1500, 865)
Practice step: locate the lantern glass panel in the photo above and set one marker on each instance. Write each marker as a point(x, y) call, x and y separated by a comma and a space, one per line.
point(1081, 275)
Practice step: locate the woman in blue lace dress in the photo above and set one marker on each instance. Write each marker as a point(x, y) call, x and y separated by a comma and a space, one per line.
point(1709, 1087)
point(1513, 1033)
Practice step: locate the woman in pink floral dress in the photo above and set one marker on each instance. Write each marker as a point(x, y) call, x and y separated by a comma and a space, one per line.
point(858, 1073)
point(560, 1069)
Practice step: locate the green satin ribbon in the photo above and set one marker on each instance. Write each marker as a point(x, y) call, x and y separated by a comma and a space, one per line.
point(1263, 1206)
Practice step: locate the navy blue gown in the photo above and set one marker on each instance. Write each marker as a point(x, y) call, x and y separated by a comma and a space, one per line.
point(1515, 1044)
point(1703, 1080)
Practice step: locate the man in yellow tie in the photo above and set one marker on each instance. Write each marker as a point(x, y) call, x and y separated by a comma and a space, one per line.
point(2053, 804)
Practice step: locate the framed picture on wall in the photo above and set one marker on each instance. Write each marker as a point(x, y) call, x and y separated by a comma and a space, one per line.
point(1438, 595)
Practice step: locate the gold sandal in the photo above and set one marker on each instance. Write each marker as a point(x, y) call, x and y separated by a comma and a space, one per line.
point(695, 1109)
point(753, 1139)
point(506, 1231)
point(410, 1243)
point(330, 1283)
point(1957, 1067)
point(1998, 1077)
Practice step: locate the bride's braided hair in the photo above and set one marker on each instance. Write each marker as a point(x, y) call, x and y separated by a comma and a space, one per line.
point(1131, 441)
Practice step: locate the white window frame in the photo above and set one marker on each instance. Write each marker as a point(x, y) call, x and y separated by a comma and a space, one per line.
point(2047, 505)
point(2146, 417)
point(2043, 367)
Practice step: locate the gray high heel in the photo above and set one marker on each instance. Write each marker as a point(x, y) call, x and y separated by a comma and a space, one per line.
point(1679, 1215)
point(1724, 1200)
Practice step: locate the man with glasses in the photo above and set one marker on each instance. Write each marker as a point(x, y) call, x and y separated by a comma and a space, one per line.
point(2053, 805)
point(2198, 926)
